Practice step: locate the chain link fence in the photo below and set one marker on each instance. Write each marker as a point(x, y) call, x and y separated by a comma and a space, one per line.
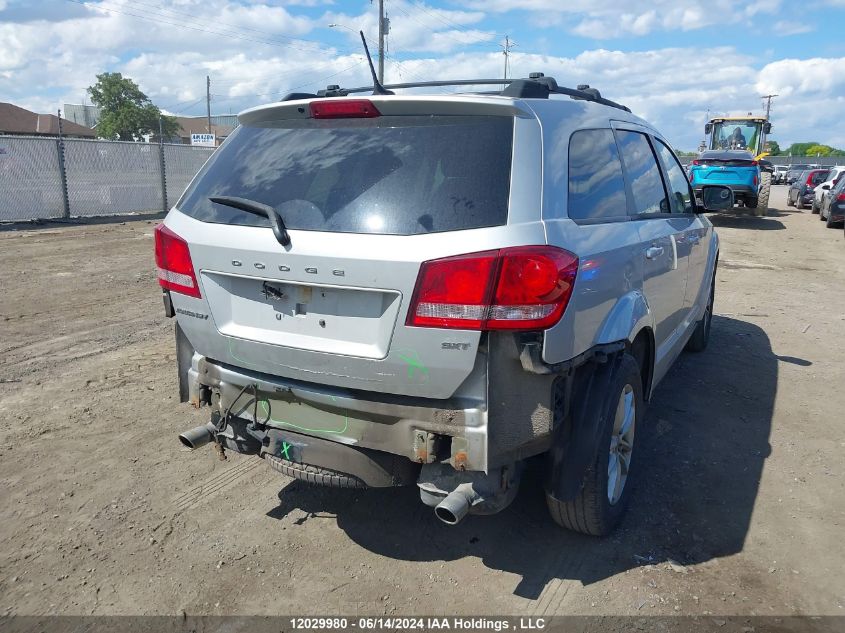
point(42, 178)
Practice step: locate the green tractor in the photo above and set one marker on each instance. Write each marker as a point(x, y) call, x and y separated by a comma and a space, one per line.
point(748, 133)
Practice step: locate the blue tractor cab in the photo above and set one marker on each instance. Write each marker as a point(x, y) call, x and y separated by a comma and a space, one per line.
point(734, 157)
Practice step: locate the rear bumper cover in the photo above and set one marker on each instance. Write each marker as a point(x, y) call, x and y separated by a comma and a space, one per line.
point(471, 431)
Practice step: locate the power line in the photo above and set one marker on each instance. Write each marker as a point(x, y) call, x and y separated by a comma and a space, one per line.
point(478, 41)
point(197, 18)
point(159, 19)
point(441, 18)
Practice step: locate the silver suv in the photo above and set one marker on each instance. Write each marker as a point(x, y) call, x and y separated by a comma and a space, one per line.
point(430, 290)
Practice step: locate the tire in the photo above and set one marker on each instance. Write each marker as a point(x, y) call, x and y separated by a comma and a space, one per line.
point(814, 207)
point(829, 224)
point(789, 200)
point(799, 203)
point(313, 474)
point(762, 206)
point(701, 334)
point(821, 215)
point(598, 508)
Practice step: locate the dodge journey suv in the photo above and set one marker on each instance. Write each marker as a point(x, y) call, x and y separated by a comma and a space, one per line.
point(432, 290)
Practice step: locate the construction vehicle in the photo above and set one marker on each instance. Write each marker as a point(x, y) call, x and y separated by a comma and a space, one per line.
point(735, 135)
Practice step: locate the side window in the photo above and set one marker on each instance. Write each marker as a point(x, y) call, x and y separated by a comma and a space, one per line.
point(596, 185)
point(643, 173)
point(679, 194)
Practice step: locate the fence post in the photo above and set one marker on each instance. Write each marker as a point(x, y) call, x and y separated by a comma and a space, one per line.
point(60, 149)
point(162, 167)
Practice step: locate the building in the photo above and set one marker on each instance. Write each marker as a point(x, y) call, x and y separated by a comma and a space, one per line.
point(87, 115)
point(19, 121)
point(221, 127)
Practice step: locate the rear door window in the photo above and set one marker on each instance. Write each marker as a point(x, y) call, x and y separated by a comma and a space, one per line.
point(643, 173)
point(400, 175)
point(596, 184)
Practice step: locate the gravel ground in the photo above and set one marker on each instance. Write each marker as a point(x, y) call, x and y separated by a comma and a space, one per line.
point(738, 509)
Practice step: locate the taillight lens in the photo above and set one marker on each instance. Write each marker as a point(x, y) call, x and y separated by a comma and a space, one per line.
point(841, 197)
point(696, 162)
point(343, 109)
point(173, 259)
point(519, 288)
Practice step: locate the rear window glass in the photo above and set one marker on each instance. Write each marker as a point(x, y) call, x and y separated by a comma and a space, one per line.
point(596, 185)
point(389, 175)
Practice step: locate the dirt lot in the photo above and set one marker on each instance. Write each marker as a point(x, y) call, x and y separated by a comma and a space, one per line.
point(739, 508)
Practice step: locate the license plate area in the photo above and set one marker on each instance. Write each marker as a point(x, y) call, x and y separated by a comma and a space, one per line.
point(333, 319)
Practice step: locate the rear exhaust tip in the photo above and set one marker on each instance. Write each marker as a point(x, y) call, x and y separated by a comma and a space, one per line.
point(454, 507)
point(197, 436)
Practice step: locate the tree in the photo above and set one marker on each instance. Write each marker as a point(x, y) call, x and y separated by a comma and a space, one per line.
point(800, 149)
point(774, 148)
point(126, 113)
point(818, 150)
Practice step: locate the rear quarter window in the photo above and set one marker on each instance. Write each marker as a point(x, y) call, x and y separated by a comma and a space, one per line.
point(400, 175)
point(596, 184)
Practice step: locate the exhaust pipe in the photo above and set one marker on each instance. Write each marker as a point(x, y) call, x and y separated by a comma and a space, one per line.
point(456, 505)
point(198, 436)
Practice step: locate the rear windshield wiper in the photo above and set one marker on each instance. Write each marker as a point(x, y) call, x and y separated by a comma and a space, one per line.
point(256, 208)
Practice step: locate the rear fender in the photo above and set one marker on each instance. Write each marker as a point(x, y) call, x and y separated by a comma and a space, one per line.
point(625, 320)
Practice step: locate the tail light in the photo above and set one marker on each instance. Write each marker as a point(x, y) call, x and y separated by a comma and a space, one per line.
point(344, 109)
point(755, 180)
point(173, 259)
point(696, 162)
point(754, 163)
point(518, 288)
point(840, 197)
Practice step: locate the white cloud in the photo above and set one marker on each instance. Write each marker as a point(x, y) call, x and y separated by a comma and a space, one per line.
point(606, 19)
point(784, 27)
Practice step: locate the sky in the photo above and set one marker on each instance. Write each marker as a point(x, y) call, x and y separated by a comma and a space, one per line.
point(670, 61)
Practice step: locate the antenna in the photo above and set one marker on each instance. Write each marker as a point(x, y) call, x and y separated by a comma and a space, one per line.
point(378, 89)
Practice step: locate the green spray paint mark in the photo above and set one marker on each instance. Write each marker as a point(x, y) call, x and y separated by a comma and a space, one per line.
point(285, 448)
point(265, 407)
point(415, 366)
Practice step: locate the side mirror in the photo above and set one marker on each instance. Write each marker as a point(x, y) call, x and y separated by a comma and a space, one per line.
point(708, 127)
point(767, 127)
point(826, 187)
point(716, 198)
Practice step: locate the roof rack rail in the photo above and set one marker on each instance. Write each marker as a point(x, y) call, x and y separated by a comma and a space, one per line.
point(536, 86)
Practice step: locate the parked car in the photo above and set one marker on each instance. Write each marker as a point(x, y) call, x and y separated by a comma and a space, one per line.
point(802, 190)
point(832, 209)
point(431, 289)
point(779, 176)
point(795, 171)
point(832, 178)
point(736, 169)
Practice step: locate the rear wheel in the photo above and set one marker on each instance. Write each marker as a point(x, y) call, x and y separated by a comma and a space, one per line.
point(799, 202)
point(602, 501)
point(788, 199)
point(814, 208)
point(701, 335)
point(762, 205)
point(821, 215)
point(830, 223)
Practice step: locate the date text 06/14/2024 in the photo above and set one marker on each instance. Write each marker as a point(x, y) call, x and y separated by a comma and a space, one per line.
point(418, 623)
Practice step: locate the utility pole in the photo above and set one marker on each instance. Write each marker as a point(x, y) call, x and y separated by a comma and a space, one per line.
point(506, 49)
point(208, 101)
point(381, 34)
point(768, 99)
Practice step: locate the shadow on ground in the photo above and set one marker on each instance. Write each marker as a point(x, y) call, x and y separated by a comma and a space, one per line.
point(700, 455)
point(34, 225)
point(750, 222)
